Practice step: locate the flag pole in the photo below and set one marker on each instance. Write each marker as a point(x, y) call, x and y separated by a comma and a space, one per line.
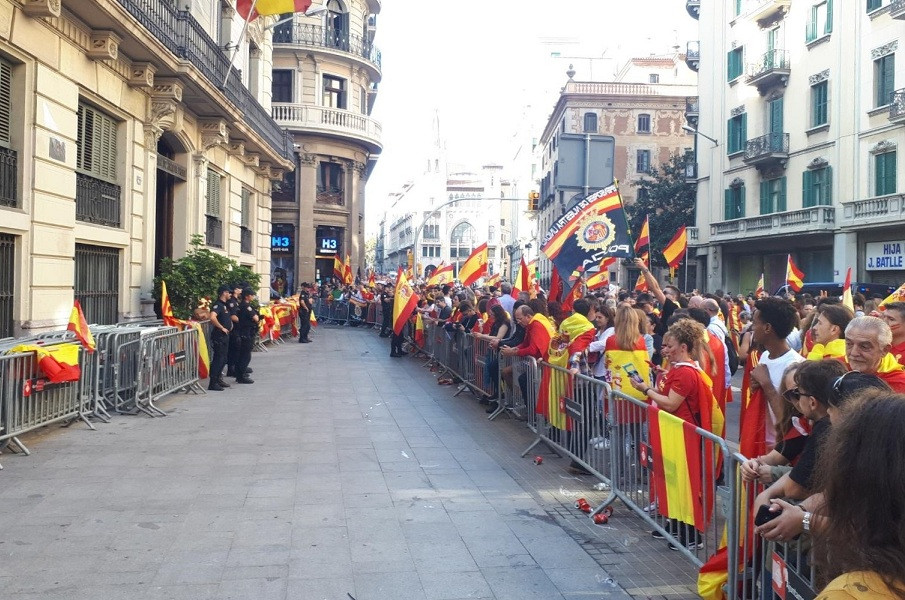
point(686, 269)
point(232, 59)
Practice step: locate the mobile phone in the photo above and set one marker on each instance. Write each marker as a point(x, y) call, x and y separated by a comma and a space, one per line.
point(765, 515)
point(632, 372)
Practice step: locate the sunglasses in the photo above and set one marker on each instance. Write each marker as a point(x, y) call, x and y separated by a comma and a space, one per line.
point(837, 385)
point(794, 395)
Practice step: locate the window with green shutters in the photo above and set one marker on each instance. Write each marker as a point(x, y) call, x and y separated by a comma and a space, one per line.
point(817, 187)
point(737, 133)
point(773, 196)
point(736, 63)
point(246, 208)
point(820, 22)
point(819, 103)
point(885, 79)
point(737, 7)
point(885, 174)
point(735, 203)
point(9, 168)
point(213, 193)
point(96, 144)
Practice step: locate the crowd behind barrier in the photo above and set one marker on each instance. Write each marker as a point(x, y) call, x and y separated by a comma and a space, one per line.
point(609, 434)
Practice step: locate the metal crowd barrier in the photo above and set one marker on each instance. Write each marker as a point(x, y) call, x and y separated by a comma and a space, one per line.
point(518, 392)
point(28, 401)
point(173, 366)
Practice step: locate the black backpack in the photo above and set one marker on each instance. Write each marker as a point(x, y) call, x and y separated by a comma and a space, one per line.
point(732, 354)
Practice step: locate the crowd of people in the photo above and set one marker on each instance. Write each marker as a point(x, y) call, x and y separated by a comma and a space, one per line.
point(822, 389)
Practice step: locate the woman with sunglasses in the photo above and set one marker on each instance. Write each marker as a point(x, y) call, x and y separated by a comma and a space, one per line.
point(814, 381)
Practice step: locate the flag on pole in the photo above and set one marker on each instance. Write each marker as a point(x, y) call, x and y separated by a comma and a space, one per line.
point(475, 265)
point(442, 276)
point(592, 229)
point(347, 271)
point(555, 286)
point(252, 9)
point(79, 326)
point(166, 308)
point(573, 295)
point(419, 331)
point(338, 268)
point(847, 299)
point(598, 280)
point(313, 318)
point(760, 287)
point(794, 276)
point(675, 249)
point(494, 280)
point(522, 280)
point(404, 302)
point(643, 239)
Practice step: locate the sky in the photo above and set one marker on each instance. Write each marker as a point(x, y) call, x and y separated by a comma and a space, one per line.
point(485, 68)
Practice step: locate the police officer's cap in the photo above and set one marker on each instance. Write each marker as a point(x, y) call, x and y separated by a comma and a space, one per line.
point(224, 288)
point(248, 292)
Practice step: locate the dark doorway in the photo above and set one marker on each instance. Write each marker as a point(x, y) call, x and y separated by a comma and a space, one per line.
point(169, 174)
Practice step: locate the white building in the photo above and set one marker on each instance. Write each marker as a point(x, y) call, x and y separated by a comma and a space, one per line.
point(800, 99)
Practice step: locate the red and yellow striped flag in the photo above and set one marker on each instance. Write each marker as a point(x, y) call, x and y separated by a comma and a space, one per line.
point(79, 326)
point(347, 271)
point(847, 299)
point(59, 363)
point(252, 9)
point(419, 331)
point(644, 238)
point(794, 275)
point(404, 303)
point(338, 268)
point(475, 266)
point(522, 280)
point(675, 249)
point(760, 287)
point(896, 296)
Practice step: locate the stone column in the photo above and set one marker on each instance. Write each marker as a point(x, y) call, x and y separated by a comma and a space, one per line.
point(305, 234)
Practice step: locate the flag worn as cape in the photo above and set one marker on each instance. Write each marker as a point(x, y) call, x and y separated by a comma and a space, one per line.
point(753, 420)
point(475, 265)
point(264, 8)
point(59, 363)
point(575, 335)
point(404, 302)
point(79, 327)
point(833, 349)
point(591, 230)
point(419, 330)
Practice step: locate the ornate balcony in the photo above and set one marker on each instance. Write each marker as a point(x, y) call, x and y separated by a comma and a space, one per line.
point(694, 8)
point(328, 38)
point(884, 210)
point(767, 11)
point(692, 111)
point(767, 150)
point(329, 121)
point(897, 9)
point(794, 222)
point(773, 68)
point(693, 55)
point(897, 106)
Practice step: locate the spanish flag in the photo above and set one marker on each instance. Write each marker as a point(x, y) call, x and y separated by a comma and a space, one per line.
point(522, 280)
point(404, 303)
point(475, 266)
point(760, 287)
point(79, 327)
point(338, 269)
point(573, 295)
point(312, 318)
point(370, 278)
point(643, 239)
point(896, 296)
point(794, 276)
point(834, 349)
point(442, 276)
point(847, 299)
point(419, 331)
point(494, 280)
point(204, 359)
point(675, 249)
point(556, 289)
point(166, 308)
point(59, 363)
point(265, 8)
point(347, 271)
point(575, 335)
point(598, 280)
point(753, 419)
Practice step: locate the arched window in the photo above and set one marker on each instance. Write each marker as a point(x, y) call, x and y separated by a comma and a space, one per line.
point(590, 122)
point(461, 241)
point(337, 25)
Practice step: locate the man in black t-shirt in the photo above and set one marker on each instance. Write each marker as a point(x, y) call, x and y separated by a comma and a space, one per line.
point(222, 324)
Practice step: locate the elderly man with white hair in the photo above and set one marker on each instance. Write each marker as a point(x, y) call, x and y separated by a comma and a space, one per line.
point(867, 344)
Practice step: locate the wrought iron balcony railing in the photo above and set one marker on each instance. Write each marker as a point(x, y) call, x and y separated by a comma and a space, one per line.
point(305, 34)
point(693, 55)
point(769, 146)
point(184, 36)
point(897, 106)
point(773, 63)
point(9, 194)
point(693, 7)
point(97, 201)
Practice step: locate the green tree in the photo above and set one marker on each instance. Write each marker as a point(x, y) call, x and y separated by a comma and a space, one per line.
point(668, 200)
point(198, 275)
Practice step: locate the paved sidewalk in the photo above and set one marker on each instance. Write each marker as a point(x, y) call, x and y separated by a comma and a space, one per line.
point(341, 472)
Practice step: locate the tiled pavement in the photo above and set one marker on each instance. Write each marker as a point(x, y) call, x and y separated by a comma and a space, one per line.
point(341, 473)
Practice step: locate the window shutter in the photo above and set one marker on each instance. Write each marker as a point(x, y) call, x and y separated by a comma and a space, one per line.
point(828, 186)
point(6, 75)
point(246, 207)
point(829, 17)
point(740, 206)
point(213, 193)
point(744, 131)
point(765, 207)
point(807, 190)
point(889, 77)
point(730, 146)
point(781, 201)
point(728, 212)
point(890, 172)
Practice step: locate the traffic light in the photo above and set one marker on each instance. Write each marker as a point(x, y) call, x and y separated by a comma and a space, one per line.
point(533, 200)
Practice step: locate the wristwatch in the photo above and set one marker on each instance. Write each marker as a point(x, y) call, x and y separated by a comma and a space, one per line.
point(806, 521)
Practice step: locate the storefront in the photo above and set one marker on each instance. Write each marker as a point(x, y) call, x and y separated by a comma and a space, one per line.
point(329, 243)
point(282, 260)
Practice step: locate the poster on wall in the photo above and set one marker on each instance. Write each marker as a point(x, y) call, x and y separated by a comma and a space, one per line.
point(282, 261)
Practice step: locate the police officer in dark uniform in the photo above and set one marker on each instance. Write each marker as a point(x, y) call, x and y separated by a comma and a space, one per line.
point(246, 327)
point(305, 308)
point(386, 300)
point(233, 304)
point(222, 325)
